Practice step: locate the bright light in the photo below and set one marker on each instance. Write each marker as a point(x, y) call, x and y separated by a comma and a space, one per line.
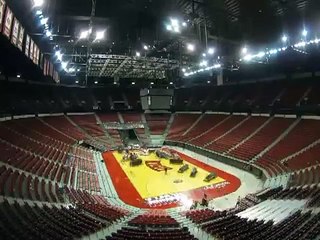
point(99, 35)
point(48, 33)
point(284, 38)
point(145, 47)
point(18, 76)
point(190, 47)
point(203, 63)
point(96, 82)
point(64, 65)
point(247, 57)
point(152, 83)
point(261, 54)
point(138, 54)
point(77, 82)
point(208, 82)
point(38, 12)
point(211, 51)
point(133, 83)
point(184, 24)
point(43, 21)
point(304, 32)
point(38, 3)
point(176, 29)
point(183, 70)
point(59, 55)
point(174, 22)
point(204, 55)
point(169, 28)
point(171, 83)
point(84, 34)
point(71, 70)
point(244, 50)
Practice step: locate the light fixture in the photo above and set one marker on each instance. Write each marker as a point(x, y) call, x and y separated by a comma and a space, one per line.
point(38, 12)
point(169, 28)
point(244, 50)
point(211, 51)
point(190, 47)
point(44, 21)
point(171, 83)
point(208, 82)
point(304, 32)
point(84, 34)
point(18, 76)
point(261, 54)
point(133, 83)
point(38, 3)
point(204, 55)
point(174, 22)
point(138, 54)
point(64, 65)
point(96, 82)
point(99, 35)
point(77, 82)
point(145, 47)
point(151, 83)
point(59, 55)
point(284, 39)
point(203, 63)
point(71, 70)
point(183, 70)
point(48, 33)
point(184, 24)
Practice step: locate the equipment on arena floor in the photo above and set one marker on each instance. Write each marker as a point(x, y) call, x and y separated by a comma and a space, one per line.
point(210, 177)
point(193, 172)
point(136, 162)
point(183, 168)
point(176, 161)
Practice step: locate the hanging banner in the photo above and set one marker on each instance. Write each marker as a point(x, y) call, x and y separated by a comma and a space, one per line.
point(27, 47)
point(31, 49)
point(20, 38)
point(8, 23)
point(45, 62)
point(35, 53)
point(38, 56)
point(15, 32)
point(2, 7)
point(41, 64)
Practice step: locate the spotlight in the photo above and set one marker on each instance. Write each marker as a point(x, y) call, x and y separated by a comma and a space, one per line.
point(145, 47)
point(38, 12)
point(211, 51)
point(261, 54)
point(204, 55)
point(208, 82)
point(169, 28)
point(84, 34)
point(48, 33)
point(59, 55)
point(171, 83)
point(64, 65)
point(244, 50)
point(151, 83)
point(138, 54)
point(304, 32)
point(183, 70)
point(184, 24)
point(71, 70)
point(174, 22)
point(44, 21)
point(133, 83)
point(284, 38)
point(38, 3)
point(190, 47)
point(204, 63)
point(77, 82)
point(96, 82)
point(99, 35)
point(18, 76)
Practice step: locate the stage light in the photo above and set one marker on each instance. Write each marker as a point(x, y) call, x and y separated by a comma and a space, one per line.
point(99, 35)
point(18, 76)
point(171, 83)
point(208, 82)
point(184, 24)
point(145, 47)
point(211, 51)
point(84, 34)
point(261, 54)
point(183, 70)
point(59, 55)
point(169, 28)
point(190, 47)
point(248, 57)
point(38, 12)
point(204, 55)
point(138, 54)
point(64, 65)
point(77, 82)
point(38, 3)
point(78, 70)
point(96, 82)
point(151, 83)
point(44, 21)
point(133, 83)
point(176, 29)
point(174, 22)
point(244, 50)
point(48, 33)
point(304, 32)
point(284, 38)
point(203, 63)
point(71, 70)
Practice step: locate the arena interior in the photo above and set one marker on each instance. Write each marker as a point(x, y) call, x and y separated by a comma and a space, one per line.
point(160, 119)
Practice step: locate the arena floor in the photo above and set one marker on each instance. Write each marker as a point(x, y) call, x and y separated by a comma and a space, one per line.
point(148, 186)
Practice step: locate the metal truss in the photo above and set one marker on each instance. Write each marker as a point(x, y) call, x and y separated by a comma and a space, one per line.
point(104, 65)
